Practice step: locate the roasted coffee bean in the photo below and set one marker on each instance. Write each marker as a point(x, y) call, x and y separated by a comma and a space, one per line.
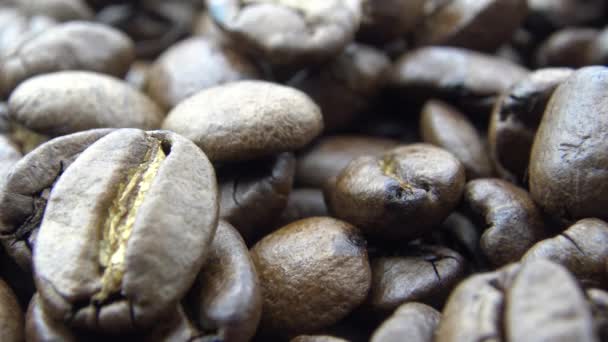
point(547, 15)
point(568, 47)
point(331, 154)
point(317, 338)
point(70, 46)
point(11, 316)
point(478, 25)
point(567, 163)
point(16, 27)
point(253, 193)
point(303, 203)
point(267, 119)
point(515, 119)
point(445, 127)
point(384, 21)
point(193, 65)
point(24, 193)
point(511, 219)
point(468, 78)
point(73, 101)
point(60, 10)
point(294, 32)
point(539, 301)
point(313, 273)
point(413, 322)
point(345, 87)
point(125, 231)
point(413, 273)
point(459, 233)
point(402, 194)
point(582, 249)
point(40, 327)
point(9, 156)
point(226, 298)
point(597, 53)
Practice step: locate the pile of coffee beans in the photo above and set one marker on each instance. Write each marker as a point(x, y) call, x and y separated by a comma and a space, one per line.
point(304, 170)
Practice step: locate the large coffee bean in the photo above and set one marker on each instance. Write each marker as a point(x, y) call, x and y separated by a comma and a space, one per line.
point(313, 273)
point(568, 166)
point(267, 119)
point(70, 46)
point(126, 230)
point(413, 322)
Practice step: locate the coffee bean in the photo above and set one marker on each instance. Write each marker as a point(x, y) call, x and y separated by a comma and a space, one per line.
point(70, 46)
point(298, 33)
point(511, 219)
point(546, 15)
point(567, 47)
point(267, 119)
point(73, 101)
point(402, 194)
point(414, 273)
point(414, 322)
point(125, 231)
point(313, 272)
point(567, 177)
point(227, 298)
point(253, 193)
point(330, 155)
point(582, 249)
point(479, 25)
point(445, 127)
point(24, 193)
point(598, 299)
point(384, 21)
point(193, 65)
point(60, 10)
point(516, 117)
point(40, 327)
point(466, 77)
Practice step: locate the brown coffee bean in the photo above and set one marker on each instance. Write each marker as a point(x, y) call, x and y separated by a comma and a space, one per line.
point(345, 87)
point(539, 301)
point(384, 21)
point(303, 203)
point(331, 154)
point(466, 77)
point(24, 193)
point(568, 47)
point(267, 119)
point(126, 229)
point(582, 249)
point(253, 193)
point(512, 221)
point(515, 119)
point(479, 25)
point(313, 273)
point(73, 101)
point(71, 46)
point(459, 233)
point(445, 127)
point(402, 194)
point(567, 163)
point(546, 15)
point(417, 273)
point(299, 32)
point(60, 10)
point(597, 53)
point(193, 65)
point(226, 298)
point(413, 322)
point(11, 316)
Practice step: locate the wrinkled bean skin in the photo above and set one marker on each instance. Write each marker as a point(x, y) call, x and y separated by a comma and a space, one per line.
point(67, 47)
point(414, 322)
point(153, 273)
point(567, 163)
point(72, 101)
point(515, 119)
point(506, 211)
point(313, 272)
point(582, 249)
